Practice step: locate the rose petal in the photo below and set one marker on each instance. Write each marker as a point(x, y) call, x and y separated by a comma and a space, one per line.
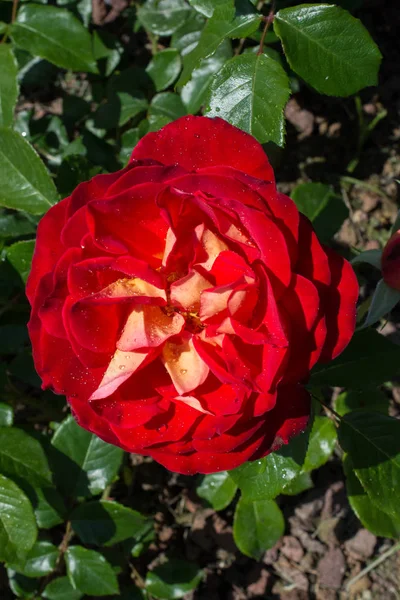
point(148, 327)
point(122, 366)
point(183, 363)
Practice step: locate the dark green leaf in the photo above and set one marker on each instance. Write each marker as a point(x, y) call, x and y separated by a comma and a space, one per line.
point(369, 360)
point(6, 415)
point(21, 586)
point(383, 301)
point(372, 257)
point(173, 579)
point(322, 443)
point(85, 464)
point(266, 478)
point(12, 337)
point(241, 94)
point(48, 506)
point(163, 17)
point(24, 181)
point(187, 36)
point(164, 68)
point(257, 526)
point(90, 573)
point(8, 85)
point(61, 589)
point(107, 523)
point(223, 24)
point(56, 35)
point(167, 105)
point(17, 522)
point(21, 455)
point(374, 519)
point(20, 256)
point(207, 7)
point(218, 489)
point(299, 484)
point(40, 560)
point(194, 93)
point(15, 225)
point(372, 441)
point(130, 593)
point(328, 48)
point(322, 206)
point(372, 400)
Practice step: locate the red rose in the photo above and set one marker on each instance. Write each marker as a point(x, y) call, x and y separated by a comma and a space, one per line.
point(391, 262)
point(180, 302)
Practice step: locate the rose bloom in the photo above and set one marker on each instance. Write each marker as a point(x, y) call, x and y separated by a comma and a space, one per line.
point(391, 262)
point(180, 303)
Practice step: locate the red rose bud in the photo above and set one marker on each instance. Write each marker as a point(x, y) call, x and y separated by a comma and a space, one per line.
point(180, 302)
point(391, 262)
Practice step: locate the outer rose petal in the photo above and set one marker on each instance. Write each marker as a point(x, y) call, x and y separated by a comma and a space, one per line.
point(197, 142)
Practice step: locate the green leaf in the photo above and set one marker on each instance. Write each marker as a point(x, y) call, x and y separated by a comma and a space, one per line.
point(299, 484)
point(223, 24)
point(369, 360)
point(163, 17)
point(21, 586)
point(21, 455)
point(130, 592)
point(107, 523)
point(266, 478)
point(251, 92)
point(20, 256)
point(173, 579)
point(257, 526)
point(374, 519)
point(85, 464)
point(12, 338)
point(17, 522)
point(164, 68)
point(372, 257)
point(164, 108)
point(15, 225)
point(25, 183)
point(372, 400)
point(383, 301)
point(90, 573)
point(194, 93)
point(56, 35)
point(322, 443)
point(40, 560)
point(372, 441)
point(207, 7)
point(129, 139)
point(328, 48)
point(218, 489)
point(322, 206)
point(8, 85)
point(6, 415)
point(48, 506)
point(61, 589)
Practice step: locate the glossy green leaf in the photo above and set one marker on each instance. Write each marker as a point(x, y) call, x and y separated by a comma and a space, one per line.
point(195, 92)
point(266, 478)
point(131, 592)
point(85, 464)
point(371, 257)
point(369, 360)
point(164, 68)
point(129, 139)
point(173, 579)
point(374, 519)
point(241, 94)
point(56, 35)
point(61, 589)
point(15, 225)
point(328, 48)
point(257, 526)
point(322, 206)
point(8, 85)
point(6, 415)
point(40, 560)
point(17, 522)
point(25, 183)
point(106, 523)
point(21, 586)
point(372, 400)
point(163, 17)
point(21, 455)
point(90, 573)
point(20, 256)
point(167, 105)
point(372, 441)
point(223, 24)
point(218, 489)
point(48, 506)
point(299, 484)
point(321, 444)
point(186, 37)
point(383, 302)
point(207, 7)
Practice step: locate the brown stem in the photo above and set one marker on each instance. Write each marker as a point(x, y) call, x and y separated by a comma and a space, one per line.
point(13, 17)
point(268, 20)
